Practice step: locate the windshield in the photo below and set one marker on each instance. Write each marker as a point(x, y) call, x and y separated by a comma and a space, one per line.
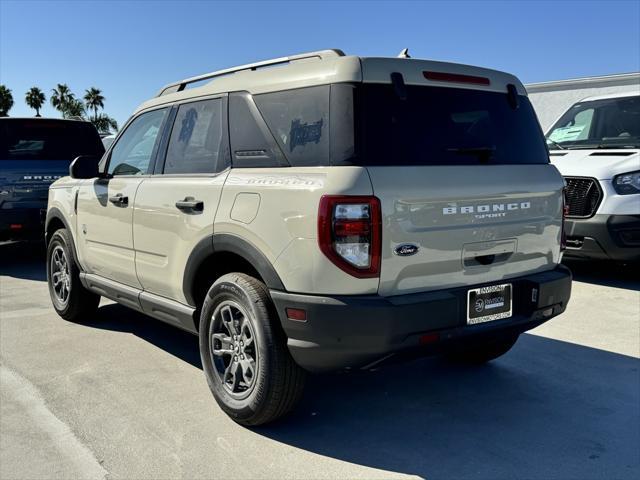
point(47, 140)
point(447, 126)
point(610, 123)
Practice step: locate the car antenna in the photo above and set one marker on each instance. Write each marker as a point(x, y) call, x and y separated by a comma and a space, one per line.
point(404, 53)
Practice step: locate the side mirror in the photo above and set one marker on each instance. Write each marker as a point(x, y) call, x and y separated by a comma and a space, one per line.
point(84, 166)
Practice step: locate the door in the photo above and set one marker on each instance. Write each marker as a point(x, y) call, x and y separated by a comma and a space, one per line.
point(175, 207)
point(105, 205)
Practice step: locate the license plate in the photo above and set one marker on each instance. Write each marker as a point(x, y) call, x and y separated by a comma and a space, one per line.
point(486, 304)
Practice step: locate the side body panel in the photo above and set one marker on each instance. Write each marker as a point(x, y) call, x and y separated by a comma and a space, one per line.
point(62, 195)
point(276, 210)
point(105, 231)
point(164, 236)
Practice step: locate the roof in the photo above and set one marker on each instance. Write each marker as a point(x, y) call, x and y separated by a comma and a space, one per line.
point(49, 119)
point(322, 68)
point(620, 79)
point(612, 95)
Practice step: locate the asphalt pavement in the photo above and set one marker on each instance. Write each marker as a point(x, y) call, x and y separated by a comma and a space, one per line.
point(124, 396)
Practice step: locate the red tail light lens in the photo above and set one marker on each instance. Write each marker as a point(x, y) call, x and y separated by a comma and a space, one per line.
point(349, 233)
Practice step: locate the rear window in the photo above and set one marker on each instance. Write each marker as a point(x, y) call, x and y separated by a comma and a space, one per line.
point(47, 140)
point(445, 126)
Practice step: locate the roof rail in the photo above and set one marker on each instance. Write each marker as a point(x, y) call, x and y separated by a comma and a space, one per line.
point(181, 85)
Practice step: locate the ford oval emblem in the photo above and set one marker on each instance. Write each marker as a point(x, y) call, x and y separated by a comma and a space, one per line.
point(406, 249)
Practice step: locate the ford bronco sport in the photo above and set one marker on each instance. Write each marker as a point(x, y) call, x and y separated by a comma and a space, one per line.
point(316, 212)
point(33, 153)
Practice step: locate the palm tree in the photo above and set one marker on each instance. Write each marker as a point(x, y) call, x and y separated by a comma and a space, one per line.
point(104, 123)
point(61, 96)
point(74, 108)
point(6, 101)
point(93, 99)
point(35, 99)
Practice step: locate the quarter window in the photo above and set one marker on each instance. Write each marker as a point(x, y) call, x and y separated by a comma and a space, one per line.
point(197, 141)
point(299, 120)
point(134, 149)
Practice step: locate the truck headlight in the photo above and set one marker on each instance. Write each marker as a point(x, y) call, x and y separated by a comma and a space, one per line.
point(627, 183)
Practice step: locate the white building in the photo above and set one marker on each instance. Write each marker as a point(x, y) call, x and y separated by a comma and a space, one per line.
point(552, 99)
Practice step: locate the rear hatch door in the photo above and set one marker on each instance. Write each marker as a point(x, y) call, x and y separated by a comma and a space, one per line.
point(463, 174)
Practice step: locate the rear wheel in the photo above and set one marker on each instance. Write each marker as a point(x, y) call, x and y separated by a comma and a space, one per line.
point(244, 354)
point(476, 354)
point(70, 299)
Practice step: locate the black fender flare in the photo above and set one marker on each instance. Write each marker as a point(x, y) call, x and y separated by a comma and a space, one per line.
point(52, 213)
point(224, 242)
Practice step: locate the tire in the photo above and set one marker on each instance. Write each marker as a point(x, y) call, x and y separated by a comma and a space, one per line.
point(477, 354)
point(78, 303)
point(266, 383)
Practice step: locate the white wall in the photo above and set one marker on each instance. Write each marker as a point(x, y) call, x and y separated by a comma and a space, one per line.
point(552, 99)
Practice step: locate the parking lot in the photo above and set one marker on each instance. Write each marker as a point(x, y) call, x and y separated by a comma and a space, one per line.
point(123, 396)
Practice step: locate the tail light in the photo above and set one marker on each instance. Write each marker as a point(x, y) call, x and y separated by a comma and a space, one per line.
point(349, 233)
point(565, 212)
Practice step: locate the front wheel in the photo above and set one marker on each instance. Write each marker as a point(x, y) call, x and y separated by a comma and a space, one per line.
point(244, 355)
point(69, 298)
point(483, 352)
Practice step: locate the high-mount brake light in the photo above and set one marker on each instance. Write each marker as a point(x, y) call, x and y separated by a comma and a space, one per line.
point(350, 233)
point(456, 78)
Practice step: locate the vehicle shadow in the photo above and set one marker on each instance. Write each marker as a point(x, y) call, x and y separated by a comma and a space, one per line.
point(180, 344)
point(608, 274)
point(24, 260)
point(547, 409)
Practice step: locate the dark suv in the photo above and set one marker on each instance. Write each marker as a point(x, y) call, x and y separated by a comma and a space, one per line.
point(33, 153)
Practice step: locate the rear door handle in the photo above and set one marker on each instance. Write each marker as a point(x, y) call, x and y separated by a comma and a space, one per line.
point(119, 200)
point(190, 204)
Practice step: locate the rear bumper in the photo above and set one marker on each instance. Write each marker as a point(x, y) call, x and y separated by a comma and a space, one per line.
point(607, 237)
point(22, 223)
point(353, 331)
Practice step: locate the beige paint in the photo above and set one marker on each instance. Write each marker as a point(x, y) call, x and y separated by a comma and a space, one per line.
point(245, 207)
point(285, 230)
point(105, 231)
point(147, 245)
point(165, 236)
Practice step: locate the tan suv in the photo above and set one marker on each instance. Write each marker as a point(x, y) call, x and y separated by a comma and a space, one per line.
point(316, 212)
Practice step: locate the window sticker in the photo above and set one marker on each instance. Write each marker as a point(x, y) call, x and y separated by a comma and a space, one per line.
point(567, 134)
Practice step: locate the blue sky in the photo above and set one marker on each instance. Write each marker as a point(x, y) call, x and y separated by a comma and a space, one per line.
point(130, 49)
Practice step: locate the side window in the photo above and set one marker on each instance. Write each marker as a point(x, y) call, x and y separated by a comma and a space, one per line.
point(299, 120)
point(251, 142)
point(197, 141)
point(135, 147)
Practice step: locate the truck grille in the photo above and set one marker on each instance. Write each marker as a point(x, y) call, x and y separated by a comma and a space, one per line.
point(583, 196)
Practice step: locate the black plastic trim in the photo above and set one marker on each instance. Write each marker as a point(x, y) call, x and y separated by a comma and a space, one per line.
point(598, 187)
point(222, 242)
point(52, 213)
point(243, 120)
point(599, 237)
point(355, 330)
point(202, 251)
point(155, 306)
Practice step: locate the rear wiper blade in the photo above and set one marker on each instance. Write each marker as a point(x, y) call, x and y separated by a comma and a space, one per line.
point(483, 153)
